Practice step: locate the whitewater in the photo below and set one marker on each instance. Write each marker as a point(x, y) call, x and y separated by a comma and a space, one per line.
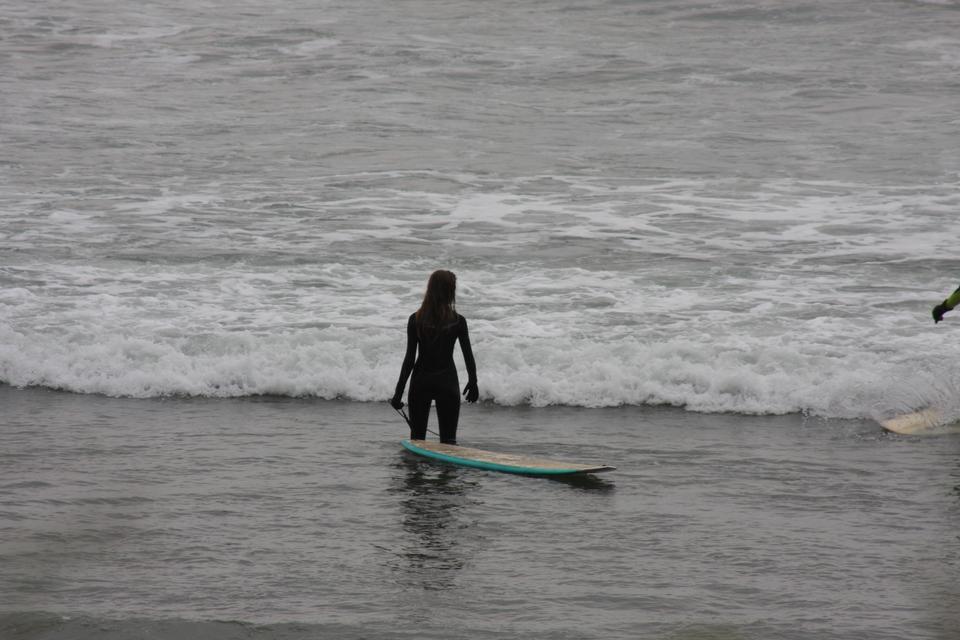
point(740, 209)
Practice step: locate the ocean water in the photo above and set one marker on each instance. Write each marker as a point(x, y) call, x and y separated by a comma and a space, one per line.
point(304, 519)
point(725, 213)
point(739, 206)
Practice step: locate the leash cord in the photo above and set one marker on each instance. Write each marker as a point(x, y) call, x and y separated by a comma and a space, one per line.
point(407, 420)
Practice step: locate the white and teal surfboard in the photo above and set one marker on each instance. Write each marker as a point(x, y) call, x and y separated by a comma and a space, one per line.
point(493, 461)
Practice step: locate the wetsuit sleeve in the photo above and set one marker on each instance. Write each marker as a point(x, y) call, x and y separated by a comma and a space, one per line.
point(464, 337)
point(411, 356)
point(953, 300)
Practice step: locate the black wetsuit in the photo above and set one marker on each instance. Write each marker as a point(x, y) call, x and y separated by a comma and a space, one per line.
point(435, 376)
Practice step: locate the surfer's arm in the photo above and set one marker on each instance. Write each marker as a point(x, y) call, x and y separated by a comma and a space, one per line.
point(947, 305)
point(471, 390)
point(409, 359)
point(464, 338)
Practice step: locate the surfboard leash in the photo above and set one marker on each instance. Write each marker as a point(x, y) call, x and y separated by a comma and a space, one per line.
point(407, 420)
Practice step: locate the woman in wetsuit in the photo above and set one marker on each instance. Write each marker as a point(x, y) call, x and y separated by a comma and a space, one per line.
point(431, 334)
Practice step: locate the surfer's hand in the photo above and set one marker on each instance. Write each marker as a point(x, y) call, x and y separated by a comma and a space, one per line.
point(939, 310)
point(471, 391)
point(396, 403)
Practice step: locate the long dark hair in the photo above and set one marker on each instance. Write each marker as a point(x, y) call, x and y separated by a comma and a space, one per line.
point(439, 308)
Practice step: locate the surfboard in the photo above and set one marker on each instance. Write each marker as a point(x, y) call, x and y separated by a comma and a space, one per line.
point(494, 461)
point(910, 424)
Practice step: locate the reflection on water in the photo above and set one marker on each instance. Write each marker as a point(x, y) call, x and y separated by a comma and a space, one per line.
point(434, 499)
point(585, 482)
point(439, 518)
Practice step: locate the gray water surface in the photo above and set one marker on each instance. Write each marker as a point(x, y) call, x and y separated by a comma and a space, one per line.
point(279, 512)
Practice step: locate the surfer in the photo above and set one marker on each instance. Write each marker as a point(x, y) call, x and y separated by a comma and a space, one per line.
point(946, 305)
point(431, 333)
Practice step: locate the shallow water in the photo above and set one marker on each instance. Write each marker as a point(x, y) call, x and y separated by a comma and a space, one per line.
point(303, 519)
